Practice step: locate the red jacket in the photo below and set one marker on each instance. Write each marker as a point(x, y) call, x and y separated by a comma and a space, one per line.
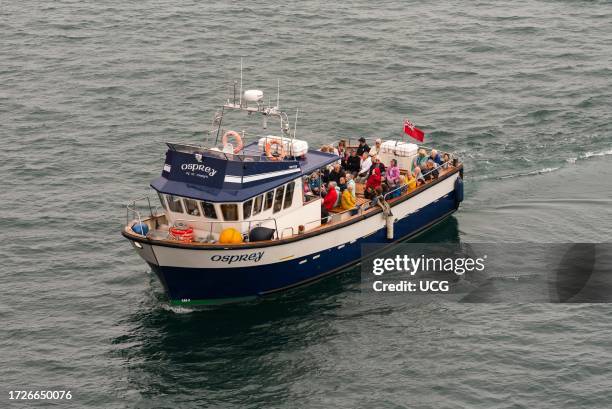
point(374, 180)
point(330, 199)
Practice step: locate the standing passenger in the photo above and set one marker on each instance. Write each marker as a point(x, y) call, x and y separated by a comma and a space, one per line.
point(363, 147)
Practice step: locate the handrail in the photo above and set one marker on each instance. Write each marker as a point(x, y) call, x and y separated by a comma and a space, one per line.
point(131, 207)
point(404, 185)
point(258, 222)
point(348, 143)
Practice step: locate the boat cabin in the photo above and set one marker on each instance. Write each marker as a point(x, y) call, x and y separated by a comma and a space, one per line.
point(211, 190)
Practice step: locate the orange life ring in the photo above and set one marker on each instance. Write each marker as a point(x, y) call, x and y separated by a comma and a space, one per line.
point(281, 153)
point(236, 136)
point(184, 235)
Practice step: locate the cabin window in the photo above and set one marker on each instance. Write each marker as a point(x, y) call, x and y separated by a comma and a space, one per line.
point(257, 204)
point(230, 211)
point(192, 207)
point(289, 195)
point(246, 209)
point(278, 199)
point(175, 204)
point(209, 210)
point(162, 201)
point(269, 199)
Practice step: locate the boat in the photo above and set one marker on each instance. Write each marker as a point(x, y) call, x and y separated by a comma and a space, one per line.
point(237, 220)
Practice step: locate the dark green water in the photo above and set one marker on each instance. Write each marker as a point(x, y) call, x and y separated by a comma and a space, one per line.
point(89, 91)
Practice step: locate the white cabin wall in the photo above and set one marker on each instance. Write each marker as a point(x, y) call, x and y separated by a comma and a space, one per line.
point(287, 220)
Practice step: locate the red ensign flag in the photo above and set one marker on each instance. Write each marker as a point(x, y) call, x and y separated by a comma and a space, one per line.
point(413, 131)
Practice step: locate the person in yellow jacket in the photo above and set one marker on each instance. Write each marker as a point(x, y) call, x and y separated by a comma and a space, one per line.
point(409, 180)
point(347, 201)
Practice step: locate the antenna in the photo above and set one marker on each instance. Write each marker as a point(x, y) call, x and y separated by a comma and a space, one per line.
point(295, 125)
point(241, 82)
point(278, 94)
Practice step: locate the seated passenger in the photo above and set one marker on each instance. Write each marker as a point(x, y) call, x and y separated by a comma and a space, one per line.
point(314, 183)
point(393, 174)
point(325, 173)
point(375, 150)
point(342, 148)
point(305, 185)
point(350, 185)
point(431, 170)
point(409, 180)
point(336, 173)
point(353, 163)
point(334, 185)
point(331, 197)
point(418, 175)
point(375, 180)
point(435, 157)
point(446, 161)
point(342, 183)
point(376, 163)
point(348, 201)
point(364, 169)
point(420, 159)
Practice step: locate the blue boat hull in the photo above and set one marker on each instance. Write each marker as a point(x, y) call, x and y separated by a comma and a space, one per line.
point(192, 286)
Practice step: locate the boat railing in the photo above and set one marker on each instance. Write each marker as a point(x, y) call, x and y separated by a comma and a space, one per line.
point(405, 185)
point(215, 153)
point(214, 223)
point(350, 143)
point(134, 210)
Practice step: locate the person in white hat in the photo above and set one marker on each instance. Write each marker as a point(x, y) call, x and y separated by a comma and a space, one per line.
point(375, 150)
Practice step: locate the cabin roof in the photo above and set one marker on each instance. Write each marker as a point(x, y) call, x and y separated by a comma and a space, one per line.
point(214, 177)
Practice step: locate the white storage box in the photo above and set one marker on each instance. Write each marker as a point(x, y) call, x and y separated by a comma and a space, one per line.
point(399, 148)
point(403, 152)
point(295, 147)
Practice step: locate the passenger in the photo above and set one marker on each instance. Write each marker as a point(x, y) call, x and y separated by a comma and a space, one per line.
point(350, 185)
point(418, 175)
point(375, 180)
point(331, 197)
point(348, 201)
point(314, 183)
point(336, 173)
point(325, 173)
point(342, 183)
point(431, 170)
point(375, 150)
point(446, 161)
point(342, 148)
point(420, 159)
point(435, 157)
point(364, 169)
point(409, 180)
point(306, 184)
point(393, 174)
point(353, 163)
point(363, 147)
point(377, 164)
point(338, 193)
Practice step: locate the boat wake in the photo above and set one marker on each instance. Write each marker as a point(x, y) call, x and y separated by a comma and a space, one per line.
point(587, 155)
point(572, 160)
point(531, 173)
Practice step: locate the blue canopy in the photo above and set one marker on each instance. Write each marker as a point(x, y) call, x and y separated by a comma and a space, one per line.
point(215, 177)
